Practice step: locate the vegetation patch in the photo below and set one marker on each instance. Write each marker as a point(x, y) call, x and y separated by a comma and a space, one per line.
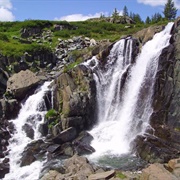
point(120, 175)
point(51, 113)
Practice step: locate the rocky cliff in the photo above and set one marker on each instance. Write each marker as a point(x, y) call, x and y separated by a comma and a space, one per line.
point(161, 143)
point(74, 100)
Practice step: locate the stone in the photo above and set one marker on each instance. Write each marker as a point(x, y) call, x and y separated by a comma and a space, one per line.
point(65, 136)
point(158, 172)
point(174, 163)
point(53, 148)
point(3, 81)
point(28, 130)
point(21, 83)
point(9, 108)
point(51, 175)
point(147, 33)
point(93, 42)
point(79, 167)
point(102, 176)
point(82, 144)
point(4, 169)
point(32, 152)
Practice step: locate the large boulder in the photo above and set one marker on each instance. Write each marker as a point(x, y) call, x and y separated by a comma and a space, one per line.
point(79, 167)
point(158, 172)
point(21, 83)
point(65, 136)
point(147, 34)
point(32, 152)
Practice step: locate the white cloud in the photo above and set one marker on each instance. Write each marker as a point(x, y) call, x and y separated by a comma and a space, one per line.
point(79, 17)
point(158, 2)
point(6, 15)
point(5, 11)
point(153, 2)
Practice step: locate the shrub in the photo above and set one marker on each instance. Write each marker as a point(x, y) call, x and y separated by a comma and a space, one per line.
point(3, 37)
point(51, 113)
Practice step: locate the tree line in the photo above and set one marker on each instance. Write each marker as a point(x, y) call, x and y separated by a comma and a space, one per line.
point(169, 13)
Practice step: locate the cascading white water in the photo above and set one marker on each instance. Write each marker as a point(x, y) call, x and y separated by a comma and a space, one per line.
point(33, 107)
point(124, 114)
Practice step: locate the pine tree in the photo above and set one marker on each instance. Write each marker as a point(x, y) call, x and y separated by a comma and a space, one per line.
point(170, 10)
point(148, 20)
point(137, 18)
point(115, 13)
point(125, 11)
point(156, 18)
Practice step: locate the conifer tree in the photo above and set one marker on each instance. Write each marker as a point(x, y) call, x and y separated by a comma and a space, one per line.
point(115, 14)
point(125, 11)
point(148, 20)
point(170, 10)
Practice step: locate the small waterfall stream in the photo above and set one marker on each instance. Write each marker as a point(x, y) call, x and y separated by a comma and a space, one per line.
point(124, 112)
point(32, 113)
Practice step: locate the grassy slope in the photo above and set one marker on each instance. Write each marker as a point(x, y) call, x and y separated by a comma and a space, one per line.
point(10, 46)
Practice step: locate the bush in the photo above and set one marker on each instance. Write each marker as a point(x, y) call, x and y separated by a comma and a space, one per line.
point(51, 113)
point(4, 37)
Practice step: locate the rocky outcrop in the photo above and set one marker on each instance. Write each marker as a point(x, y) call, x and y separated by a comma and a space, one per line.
point(21, 83)
point(116, 20)
point(158, 171)
point(163, 142)
point(147, 34)
point(76, 98)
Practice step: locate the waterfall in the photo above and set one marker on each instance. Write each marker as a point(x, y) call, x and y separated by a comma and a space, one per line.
point(124, 94)
point(31, 113)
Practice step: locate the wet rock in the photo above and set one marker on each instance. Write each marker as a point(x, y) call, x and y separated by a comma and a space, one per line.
point(76, 122)
point(82, 144)
point(4, 169)
point(43, 129)
point(65, 136)
point(3, 81)
point(28, 129)
point(67, 150)
point(53, 148)
point(32, 152)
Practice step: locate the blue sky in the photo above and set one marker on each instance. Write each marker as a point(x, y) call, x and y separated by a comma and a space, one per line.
point(76, 10)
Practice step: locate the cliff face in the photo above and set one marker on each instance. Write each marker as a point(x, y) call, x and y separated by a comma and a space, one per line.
point(75, 97)
point(163, 141)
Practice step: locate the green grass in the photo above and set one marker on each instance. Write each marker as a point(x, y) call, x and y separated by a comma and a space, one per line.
point(12, 45)
point(120, 175)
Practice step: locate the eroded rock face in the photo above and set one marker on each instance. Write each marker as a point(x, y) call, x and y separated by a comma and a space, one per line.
point(147, 34)
point(21, 83)
point(75, 98)
point(163, 142)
